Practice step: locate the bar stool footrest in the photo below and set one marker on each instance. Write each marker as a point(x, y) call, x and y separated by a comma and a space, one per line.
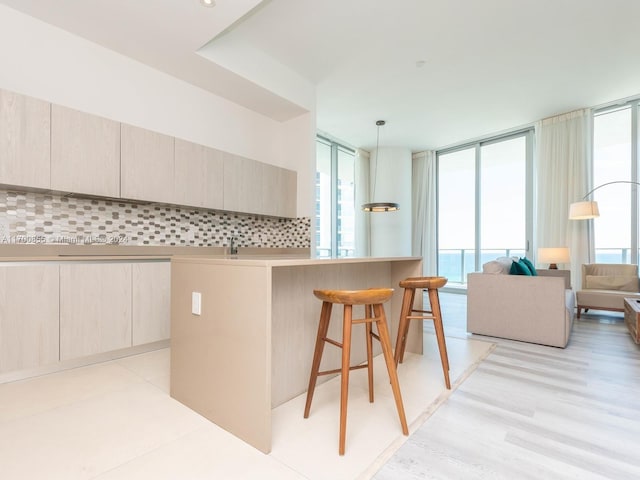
point(338, 370)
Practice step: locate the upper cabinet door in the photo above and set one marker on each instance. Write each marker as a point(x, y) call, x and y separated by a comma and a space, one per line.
point(243, 184)
point(259, 188)
point(280, 192)
point(25, 140)
point(147, 165)
point(198, 175)
point(85, 153)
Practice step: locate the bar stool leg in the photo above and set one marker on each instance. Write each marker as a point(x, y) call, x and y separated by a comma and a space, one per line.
point(385, 342)
point(344, 387)
point(369, 314)
point(403, 327)
point(323, 327)
point(434, 300)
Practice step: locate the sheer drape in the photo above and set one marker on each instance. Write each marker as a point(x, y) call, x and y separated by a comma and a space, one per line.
point(362, 226)
point(424, 235)
point(563, 177)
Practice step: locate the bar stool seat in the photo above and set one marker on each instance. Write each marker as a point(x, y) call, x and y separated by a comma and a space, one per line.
point(407, 313)
point(372, 299)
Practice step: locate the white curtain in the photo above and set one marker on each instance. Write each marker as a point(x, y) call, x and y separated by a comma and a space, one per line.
point(424, 235)
point(362, 223)
point(563, 177)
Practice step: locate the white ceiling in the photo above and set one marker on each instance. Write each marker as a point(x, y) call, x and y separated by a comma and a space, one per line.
point(488, 66)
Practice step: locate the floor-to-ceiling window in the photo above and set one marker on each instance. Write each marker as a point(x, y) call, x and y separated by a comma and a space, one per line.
point(483, 203)
point(335, 189)
point(456, 213)
point(615, 158)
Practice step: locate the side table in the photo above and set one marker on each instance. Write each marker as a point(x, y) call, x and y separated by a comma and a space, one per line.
point(632, 317)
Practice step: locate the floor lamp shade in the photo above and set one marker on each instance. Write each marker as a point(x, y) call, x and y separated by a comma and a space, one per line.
point(583, 210)
point(553, 256)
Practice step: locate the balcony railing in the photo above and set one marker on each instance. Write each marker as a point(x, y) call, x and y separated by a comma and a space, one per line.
point(613, 255)
point(455, 264)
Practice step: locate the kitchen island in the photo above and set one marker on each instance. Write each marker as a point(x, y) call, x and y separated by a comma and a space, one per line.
point(243, 330)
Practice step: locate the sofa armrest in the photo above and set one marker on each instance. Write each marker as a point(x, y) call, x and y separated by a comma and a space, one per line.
point(531, 309)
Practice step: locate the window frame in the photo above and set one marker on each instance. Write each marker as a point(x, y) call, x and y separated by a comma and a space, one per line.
point(634, 107)
point(335, 147)
point(477, 145)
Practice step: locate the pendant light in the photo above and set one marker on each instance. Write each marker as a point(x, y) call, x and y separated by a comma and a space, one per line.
point(379, 206)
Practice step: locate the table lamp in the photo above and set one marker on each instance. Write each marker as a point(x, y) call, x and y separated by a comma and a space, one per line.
point(553, 256)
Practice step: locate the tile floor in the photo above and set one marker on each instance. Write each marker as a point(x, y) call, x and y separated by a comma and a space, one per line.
point(115, 420)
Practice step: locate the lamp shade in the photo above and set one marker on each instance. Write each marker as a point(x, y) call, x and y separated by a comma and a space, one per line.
point(554, 255)
point(583, 210)
point(380, 207)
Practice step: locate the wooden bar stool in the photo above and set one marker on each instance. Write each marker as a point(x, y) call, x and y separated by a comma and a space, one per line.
point(431, 284)
point(372, 299)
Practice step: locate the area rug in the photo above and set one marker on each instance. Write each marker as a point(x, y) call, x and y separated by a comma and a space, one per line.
point(310, 446)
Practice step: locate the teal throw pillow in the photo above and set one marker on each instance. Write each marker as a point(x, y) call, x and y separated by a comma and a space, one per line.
point(519, 268)
point(528, 263)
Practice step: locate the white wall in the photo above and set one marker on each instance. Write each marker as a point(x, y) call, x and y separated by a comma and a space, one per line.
point(48, 63)
point(391, 231)
point(299, 153)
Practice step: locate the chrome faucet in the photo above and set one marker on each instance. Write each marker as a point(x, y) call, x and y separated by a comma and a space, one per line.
point(233, 249)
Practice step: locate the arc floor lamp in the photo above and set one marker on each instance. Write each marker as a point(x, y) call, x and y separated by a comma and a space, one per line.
point(586, 209)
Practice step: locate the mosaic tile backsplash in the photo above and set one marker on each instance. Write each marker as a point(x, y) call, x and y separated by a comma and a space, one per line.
point(44, 218)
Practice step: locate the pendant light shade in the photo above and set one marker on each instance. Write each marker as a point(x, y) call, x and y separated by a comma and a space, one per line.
point(379, 206)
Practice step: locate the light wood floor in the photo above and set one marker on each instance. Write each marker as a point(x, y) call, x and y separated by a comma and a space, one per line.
point(535, 412)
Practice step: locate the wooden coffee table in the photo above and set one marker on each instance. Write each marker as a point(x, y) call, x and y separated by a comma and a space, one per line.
point(632, 317)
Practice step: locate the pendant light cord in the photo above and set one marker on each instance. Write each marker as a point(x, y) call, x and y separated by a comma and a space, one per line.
point(375, 169)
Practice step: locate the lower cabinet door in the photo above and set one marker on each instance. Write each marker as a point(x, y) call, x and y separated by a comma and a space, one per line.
point(29, 334)
point(95, 308)
point(151, 301)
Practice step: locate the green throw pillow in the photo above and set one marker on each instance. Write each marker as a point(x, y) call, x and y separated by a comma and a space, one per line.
point(528, 263)
point(519, 268)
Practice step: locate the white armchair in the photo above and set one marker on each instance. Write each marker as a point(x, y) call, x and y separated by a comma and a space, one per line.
point(605, 286)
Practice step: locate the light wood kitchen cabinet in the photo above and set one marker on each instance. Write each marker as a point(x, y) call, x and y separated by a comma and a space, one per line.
point(198, 179)
point(279, 195)
point(25, 141)
point(259, 188)
point(95, 308)
point(147, 170)
point(85, 153)
point(29, 333)
point(151, 282)
point(243, 184)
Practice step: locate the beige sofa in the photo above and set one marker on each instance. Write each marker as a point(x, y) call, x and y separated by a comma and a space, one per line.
point(536, 309)
point(605, 285)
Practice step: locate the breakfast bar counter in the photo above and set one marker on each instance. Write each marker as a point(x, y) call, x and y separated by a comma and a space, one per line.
point(243, 330)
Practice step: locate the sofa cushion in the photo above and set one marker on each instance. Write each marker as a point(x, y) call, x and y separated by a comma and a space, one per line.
point(609, 269)
point(519, 268)
point(500, 265)
point(493, 267)
point(612, 282)
point(528, 263)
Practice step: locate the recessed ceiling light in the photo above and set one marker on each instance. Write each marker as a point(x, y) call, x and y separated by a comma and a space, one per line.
point(208, 3)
